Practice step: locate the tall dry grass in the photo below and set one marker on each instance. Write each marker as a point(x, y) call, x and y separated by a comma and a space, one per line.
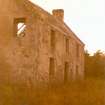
point(87, 92)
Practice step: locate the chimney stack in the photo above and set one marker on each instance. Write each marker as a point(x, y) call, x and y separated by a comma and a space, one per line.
point(58, 13)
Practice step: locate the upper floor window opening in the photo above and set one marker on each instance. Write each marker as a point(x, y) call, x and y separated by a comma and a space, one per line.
point(20, 26)
point(77, 50)
point(52, 39)
point(67, 45)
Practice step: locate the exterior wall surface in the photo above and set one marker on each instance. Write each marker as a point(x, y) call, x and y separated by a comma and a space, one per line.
point(27, 58)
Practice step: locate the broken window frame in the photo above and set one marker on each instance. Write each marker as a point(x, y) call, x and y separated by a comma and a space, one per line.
point(18, 21)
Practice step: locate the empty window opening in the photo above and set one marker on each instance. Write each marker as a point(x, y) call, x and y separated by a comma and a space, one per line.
point(52, 39)
point(67, 45)
point(77, 50)
point(20, 27)
point(51, 68)
point(77, 72)
point(66, 70)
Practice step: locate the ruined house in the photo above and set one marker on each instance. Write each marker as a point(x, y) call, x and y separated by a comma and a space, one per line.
point(36, 46)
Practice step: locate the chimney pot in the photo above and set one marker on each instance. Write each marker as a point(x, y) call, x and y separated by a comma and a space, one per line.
point(58, 13)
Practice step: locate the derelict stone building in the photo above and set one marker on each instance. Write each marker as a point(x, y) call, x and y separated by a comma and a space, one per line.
point(36, 46)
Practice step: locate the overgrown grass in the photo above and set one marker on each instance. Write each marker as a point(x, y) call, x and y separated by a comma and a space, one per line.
point(87, 92)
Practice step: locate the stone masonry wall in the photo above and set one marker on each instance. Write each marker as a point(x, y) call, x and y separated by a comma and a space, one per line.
point(27, 58)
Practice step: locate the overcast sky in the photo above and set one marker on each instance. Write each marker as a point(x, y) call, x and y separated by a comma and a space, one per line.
point(85, 17)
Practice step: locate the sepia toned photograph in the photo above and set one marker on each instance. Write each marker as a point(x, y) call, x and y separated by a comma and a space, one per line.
point(52, 52)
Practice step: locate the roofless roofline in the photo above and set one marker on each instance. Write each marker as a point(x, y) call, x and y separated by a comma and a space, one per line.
point(67, 34)
point(47, 13)
point(74, 35)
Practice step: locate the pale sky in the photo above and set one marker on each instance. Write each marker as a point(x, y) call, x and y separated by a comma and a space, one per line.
point(85, 17)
